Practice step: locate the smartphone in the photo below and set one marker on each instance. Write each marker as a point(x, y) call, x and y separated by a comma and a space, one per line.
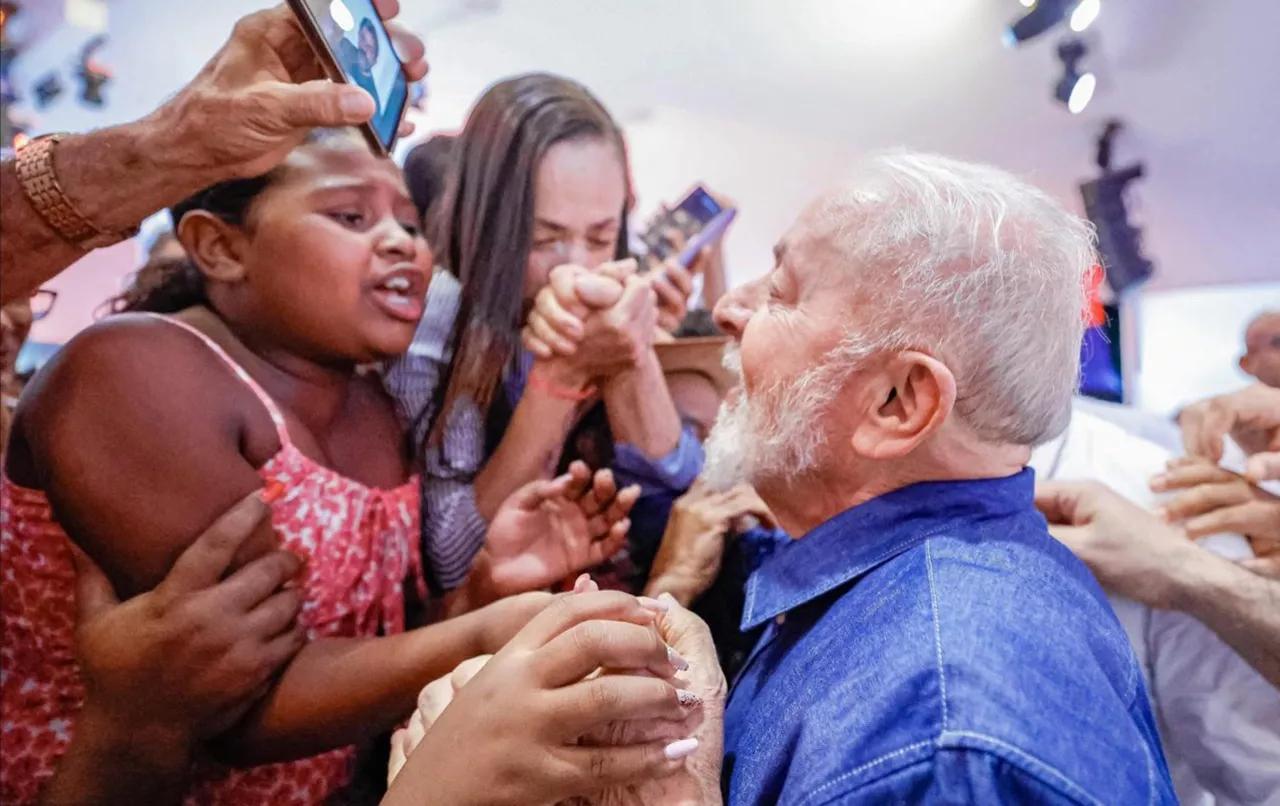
point(352, 43)
point(698, 217)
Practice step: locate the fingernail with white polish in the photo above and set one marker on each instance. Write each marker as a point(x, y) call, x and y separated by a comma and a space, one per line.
point(675, 659)
point(680, 749)
point(687, 698)
point(654, 604)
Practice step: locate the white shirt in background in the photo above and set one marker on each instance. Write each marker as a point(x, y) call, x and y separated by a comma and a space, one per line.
point(1218, 718)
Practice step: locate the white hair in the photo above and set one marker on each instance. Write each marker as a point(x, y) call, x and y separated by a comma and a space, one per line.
point(977, 268)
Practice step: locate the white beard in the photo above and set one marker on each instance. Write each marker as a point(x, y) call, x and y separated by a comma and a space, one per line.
point(778, 433)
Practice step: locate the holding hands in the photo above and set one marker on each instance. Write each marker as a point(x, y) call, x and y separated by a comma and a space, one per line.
point(521, 713)
point(589, 324)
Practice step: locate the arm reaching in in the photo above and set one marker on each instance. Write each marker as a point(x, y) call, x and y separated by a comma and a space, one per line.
point(239, 117)
point(1137, 555)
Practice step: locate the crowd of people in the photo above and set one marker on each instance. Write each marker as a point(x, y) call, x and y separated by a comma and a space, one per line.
point(409, 485)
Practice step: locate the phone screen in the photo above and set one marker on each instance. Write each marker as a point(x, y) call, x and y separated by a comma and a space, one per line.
point(358, 42)
point(694, 212)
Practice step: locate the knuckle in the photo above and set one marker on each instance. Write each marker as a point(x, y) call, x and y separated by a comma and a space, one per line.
point(603, 697)
point(589, 638)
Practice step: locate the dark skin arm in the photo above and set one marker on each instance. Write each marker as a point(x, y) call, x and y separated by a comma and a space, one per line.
point(173, 444)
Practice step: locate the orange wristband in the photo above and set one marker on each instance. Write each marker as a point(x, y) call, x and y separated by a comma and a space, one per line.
point(553, 389)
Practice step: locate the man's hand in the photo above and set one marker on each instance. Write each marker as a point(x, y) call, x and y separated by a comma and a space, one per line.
point(692, 547)
point(519, 715)
point(1252, 418)
point(258, 97)
point(1130, 550)
point(188, 658)
point(547, 530)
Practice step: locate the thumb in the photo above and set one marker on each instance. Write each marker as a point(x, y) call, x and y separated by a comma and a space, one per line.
point(314, 104)
point(94, 592)
point(1263, 467)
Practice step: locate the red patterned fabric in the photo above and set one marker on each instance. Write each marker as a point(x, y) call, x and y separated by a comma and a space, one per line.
point(360, 545)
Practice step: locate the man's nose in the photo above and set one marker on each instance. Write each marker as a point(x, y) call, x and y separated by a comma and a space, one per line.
point(735, 308)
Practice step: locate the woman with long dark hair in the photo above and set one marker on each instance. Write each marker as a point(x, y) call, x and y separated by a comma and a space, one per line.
point(539, 178)
point(146, 427)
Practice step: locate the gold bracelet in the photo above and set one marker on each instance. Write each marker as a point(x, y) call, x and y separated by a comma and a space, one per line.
point(34, 166)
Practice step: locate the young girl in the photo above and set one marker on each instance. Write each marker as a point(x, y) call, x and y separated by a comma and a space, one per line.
point(146, 427)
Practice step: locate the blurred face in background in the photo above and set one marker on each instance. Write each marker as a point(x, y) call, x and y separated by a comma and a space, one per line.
point(580, 188)
point(1262, 349)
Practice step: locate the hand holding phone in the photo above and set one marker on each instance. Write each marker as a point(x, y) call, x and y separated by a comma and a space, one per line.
point(352, 43)
point(700, 220)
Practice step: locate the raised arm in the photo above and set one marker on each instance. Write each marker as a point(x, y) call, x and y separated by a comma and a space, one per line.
point(249, 106)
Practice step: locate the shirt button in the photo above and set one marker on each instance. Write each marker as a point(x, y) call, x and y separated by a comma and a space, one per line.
point(780, 619)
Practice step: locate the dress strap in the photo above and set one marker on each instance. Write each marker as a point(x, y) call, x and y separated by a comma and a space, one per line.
point(273, 411)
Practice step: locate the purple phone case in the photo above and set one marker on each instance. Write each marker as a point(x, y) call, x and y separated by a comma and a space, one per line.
point(706, 236)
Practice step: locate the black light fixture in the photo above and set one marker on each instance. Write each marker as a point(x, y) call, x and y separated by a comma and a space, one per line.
point(1042, 15)
point(1119, 241)
point(1075, 88)
point(47, 90)
point(93, 74)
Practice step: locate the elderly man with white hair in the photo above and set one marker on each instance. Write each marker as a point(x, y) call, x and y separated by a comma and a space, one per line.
point(927, 640)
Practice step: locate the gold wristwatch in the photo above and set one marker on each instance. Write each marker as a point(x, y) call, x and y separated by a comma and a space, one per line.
point(34, 165)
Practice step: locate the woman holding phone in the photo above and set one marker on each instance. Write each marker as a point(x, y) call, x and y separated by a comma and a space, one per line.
point(539, 178)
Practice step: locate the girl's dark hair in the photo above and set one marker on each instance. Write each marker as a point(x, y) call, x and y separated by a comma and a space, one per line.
point(426, 169)
point(171, 286)
point(482, 231)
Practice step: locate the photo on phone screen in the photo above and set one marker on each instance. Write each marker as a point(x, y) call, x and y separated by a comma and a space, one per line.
point(691, 217)
point(358, 45)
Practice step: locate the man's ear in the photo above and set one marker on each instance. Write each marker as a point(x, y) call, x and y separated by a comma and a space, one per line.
point(907, 402)
point(215, 246)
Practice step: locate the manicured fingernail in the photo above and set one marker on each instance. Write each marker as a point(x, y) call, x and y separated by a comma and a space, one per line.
point(680, 749)
point(653, 604)
point(272, 492)
point(675, 659)
point(667, 599)
point(687, 698)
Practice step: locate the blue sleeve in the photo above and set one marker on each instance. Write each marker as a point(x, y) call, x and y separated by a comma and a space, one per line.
point(673, 473)
point(961, 775)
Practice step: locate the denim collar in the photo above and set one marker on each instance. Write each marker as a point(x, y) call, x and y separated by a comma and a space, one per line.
point(858, 539)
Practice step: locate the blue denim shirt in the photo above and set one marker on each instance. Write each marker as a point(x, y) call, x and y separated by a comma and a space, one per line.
point(936, 645)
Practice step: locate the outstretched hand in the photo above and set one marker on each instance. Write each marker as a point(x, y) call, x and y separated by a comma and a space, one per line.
point(547, 530)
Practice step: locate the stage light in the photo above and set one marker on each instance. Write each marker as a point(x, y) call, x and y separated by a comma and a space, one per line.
point(1039, 18)
point(1027, 3)
point(47, 90)
point(1085, 13)
point(1081, 93)
point(1105, 204)
point(94, 75)
point(20, 139)
point(1075, 89)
